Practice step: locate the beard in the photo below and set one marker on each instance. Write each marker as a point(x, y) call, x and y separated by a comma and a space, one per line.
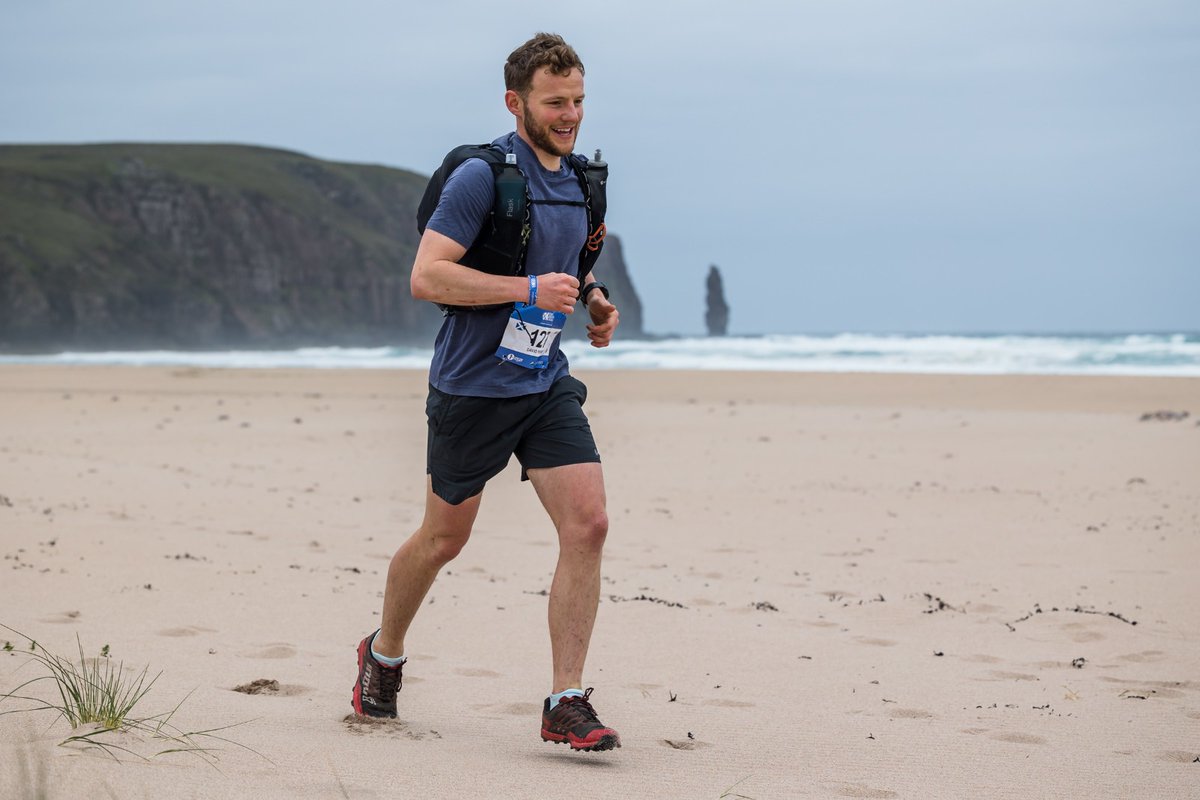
point(544, 139)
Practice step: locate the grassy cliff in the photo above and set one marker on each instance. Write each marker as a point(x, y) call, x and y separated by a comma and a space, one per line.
point(212, 246)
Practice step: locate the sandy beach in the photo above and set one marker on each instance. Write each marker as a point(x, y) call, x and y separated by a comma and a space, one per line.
point(826, 586)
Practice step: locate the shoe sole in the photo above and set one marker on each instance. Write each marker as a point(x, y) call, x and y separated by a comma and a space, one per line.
point(356, 697)
point(609, 741)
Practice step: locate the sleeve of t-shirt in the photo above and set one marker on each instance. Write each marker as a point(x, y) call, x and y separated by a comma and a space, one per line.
point(466, 199)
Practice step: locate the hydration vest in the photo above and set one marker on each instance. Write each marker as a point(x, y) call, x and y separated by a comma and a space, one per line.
point(500, 247)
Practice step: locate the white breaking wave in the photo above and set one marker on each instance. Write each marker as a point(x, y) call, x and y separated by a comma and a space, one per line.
point(1127, 354)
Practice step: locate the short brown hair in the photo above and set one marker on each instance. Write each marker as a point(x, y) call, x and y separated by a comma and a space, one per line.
point(543, 50)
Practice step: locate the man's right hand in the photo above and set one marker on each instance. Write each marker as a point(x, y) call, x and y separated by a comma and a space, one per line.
point(557, 291)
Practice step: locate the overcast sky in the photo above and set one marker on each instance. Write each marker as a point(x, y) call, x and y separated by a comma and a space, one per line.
point(850, 165)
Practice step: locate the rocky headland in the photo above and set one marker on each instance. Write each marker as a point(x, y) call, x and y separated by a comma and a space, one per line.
point(188, 246)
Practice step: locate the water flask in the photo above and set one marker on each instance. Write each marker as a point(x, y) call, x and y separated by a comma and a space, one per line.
point(510, 191)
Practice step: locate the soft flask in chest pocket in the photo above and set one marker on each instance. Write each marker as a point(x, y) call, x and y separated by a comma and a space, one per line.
point(509, 210)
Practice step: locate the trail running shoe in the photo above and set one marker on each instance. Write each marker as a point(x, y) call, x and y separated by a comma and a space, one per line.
point(573, 721)
point(375, 692)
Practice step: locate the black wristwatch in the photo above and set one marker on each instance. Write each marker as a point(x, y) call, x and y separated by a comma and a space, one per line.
point(593, 285)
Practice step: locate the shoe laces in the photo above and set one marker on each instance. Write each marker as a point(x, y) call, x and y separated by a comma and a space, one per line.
point(389, 679)
point(580, 708)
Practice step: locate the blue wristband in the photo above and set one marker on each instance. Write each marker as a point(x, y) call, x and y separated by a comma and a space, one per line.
point(532, 290)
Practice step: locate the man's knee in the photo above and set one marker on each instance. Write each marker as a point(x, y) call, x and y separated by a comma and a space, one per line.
point(445, 544)
point(446, 527)
point(587, 531)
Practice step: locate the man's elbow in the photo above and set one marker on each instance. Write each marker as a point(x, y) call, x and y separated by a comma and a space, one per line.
point(418, 284)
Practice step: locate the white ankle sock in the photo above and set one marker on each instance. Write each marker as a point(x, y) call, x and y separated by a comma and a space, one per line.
point(385, 660)
point(554, 698)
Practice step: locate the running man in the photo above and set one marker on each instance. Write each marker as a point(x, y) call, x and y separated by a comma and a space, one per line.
point(499, 386)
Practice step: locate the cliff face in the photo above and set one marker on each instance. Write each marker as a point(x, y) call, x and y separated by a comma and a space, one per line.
point(207, 246)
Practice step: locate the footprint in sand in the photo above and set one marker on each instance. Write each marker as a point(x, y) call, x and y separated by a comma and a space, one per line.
point(187, 630)
point(272, 650)
point(1019, 738)
point(1013, 676)
point(1160, 689)
point(1144, 657)
point(393, 728)
point(983, 659)
point(469, 672)
point(861, 790)
point(911, 713)
point(685, 744)
point(1179, 756)
point(875, 642)
point(62, 618)
point(272, 687)
point(729, 703)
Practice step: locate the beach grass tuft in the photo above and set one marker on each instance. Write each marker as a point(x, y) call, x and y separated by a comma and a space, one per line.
point(730, 793)
point(94, 692)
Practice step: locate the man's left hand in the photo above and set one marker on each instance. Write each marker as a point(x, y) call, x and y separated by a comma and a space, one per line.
point(605, 319)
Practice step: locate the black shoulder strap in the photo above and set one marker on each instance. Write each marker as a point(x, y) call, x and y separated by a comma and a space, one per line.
point(488, 152)
point(593, 177)
point(499, 248)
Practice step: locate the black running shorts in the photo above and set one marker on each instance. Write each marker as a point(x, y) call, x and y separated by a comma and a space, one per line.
point(472, 438)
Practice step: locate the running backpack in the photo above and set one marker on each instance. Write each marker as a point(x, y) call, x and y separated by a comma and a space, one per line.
point(499, 249)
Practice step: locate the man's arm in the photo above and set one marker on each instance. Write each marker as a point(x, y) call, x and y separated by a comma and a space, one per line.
point(604, 314)
point(439, 278)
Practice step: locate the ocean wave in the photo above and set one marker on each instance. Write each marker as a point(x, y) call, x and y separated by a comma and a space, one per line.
point(1167, 354)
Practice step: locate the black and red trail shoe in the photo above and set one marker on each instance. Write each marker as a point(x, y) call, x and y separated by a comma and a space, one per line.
point(574, 722)
point(377, 686)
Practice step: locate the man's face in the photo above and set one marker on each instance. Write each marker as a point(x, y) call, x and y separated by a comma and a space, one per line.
point(552, 111)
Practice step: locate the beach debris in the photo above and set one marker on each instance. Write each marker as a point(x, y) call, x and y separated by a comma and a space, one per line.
point(938, 604)
point(870, 736)
point(1164, 416)
point(259, 686)
point(645, 599)
point(5, 502)
point(1076, 609)
point(539, 593)
point(1078, 662)
point(938, 653)
point(691, 735)
point(763, 605)
point(673, 696)
point(1129, 695)
point(186, 557)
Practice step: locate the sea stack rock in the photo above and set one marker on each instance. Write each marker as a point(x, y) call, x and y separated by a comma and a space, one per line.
point(717, 315)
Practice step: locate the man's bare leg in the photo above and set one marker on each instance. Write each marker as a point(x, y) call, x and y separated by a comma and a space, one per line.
point(443, 532)
point(574, 498)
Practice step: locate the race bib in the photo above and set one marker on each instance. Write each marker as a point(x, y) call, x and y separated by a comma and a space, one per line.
point(529, 335)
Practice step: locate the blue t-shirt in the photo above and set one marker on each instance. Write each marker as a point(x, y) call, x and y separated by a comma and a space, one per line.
point(464, 354)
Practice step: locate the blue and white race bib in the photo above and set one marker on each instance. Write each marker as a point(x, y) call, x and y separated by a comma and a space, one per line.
point(530, 334)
